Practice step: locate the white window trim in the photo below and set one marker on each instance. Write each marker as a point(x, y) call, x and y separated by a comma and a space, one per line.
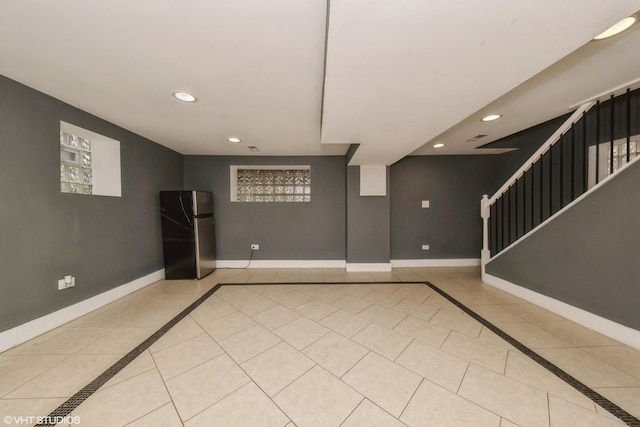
point(233, 175)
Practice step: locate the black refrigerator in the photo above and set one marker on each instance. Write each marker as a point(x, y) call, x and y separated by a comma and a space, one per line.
point(188, 234)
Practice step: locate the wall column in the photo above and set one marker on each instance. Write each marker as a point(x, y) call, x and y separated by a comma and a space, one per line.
point(368, 220)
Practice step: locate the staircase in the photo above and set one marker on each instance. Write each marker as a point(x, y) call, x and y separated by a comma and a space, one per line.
point(563, 231)
point(596, 141)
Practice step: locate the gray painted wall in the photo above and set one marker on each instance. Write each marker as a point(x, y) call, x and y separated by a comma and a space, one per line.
point(107, 241)
point(588, 256)
point(103, 241)
point(284, 231)
point(526, 142)
point(454, 186)
point(368, 222)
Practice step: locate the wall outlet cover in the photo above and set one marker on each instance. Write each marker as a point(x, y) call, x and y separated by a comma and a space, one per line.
point(66, 283)
point(425, 247)
point(255, 247)
point(425, 203)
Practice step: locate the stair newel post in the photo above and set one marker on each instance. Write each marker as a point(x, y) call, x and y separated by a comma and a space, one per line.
point(485, 212)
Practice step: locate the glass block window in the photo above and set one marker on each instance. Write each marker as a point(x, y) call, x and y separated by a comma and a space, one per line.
point(89, 162)
point(271, 184)
point(76, 175)
point(620, 153)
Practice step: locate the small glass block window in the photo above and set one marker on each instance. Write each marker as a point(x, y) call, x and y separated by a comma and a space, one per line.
point(273, 184)
point(75, 164)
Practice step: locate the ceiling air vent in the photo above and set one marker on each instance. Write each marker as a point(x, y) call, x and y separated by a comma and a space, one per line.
point(475, 138)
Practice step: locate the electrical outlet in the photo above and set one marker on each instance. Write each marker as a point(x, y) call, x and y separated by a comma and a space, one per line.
point(255, 247)
point(66, 282)
point(425, 247)
point(425, 204)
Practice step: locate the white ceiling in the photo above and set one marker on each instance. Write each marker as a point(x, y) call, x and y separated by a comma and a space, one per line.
point(593, 70)
point(399, 73)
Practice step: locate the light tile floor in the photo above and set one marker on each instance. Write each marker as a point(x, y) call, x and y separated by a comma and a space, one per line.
point(344, 354)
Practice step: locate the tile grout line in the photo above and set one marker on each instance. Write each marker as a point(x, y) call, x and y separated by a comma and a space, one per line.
point(286, 386)
point(462, 379)
point(329, 330)
point(72, 403)
point(164, 383)
point(37, 375)
point(584, 389)
point(411, 398)
point(567, 378)
point(225, 353)
point(403, 350)
point(219, 400)
point(549, 408)
point(354, 365)
point(353, 410)
point(506, 362)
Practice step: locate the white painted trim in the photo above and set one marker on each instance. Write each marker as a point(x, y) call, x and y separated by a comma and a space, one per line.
point(462, 262)
point(364, 266)
point(622, 333)
point(281, 264)
point(39, 326)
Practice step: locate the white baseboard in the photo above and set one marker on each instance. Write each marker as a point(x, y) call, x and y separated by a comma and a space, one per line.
point(463, 262)
point(622, 333)
point(280, 264)
point(371, 267)
point(39, 326)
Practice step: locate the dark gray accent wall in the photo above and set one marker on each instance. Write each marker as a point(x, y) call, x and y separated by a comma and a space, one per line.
point(587, 256)
point(526, 142)
point(45, 234)
point(368, 222)
point(454, 186)
point(284, 231)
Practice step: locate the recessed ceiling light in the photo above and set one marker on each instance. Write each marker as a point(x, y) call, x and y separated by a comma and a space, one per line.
point(491, 117)
point(233, 139)
point(184, 96)
point(438, 145)
point(617, 28)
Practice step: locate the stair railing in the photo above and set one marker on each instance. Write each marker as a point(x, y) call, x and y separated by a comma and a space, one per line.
point(571, 161)
point(512, 183)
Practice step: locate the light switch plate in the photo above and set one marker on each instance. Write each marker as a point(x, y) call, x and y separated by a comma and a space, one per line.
point(425, 203)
